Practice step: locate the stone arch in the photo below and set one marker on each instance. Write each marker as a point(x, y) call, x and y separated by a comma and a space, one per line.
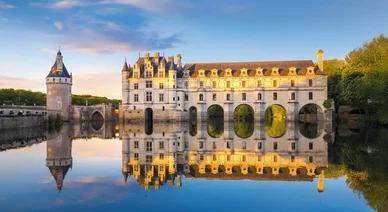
point(243, 121)
point(275, 121)
point(215, 111)
point(215, 127)
point(148, 114)
point(97, 116)
point(193, 114)
point(97, 125)
point(312, 113)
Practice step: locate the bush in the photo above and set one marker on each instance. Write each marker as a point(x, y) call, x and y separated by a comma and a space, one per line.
point(327, 104)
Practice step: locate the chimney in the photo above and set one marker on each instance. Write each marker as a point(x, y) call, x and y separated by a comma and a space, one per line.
point(146, 56)
point(170, 59)
point(320, 59)
point(156, 57)
point(178, 62)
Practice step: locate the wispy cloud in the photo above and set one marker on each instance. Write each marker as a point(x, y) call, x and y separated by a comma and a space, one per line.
point(4, 5)
point(59, 25)
point(69, 3)
point(152, 5)
point(48, 50)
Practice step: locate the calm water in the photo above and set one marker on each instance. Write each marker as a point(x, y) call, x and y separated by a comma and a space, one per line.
point(209, 167)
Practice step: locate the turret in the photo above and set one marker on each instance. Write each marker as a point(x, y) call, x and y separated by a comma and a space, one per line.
point(146, 57)
point(59, 83)
point(125, 83)
point(320, 59)
point(321, 179)
point(179, 61)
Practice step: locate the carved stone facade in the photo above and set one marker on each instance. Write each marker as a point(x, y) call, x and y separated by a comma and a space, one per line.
point(171, 91)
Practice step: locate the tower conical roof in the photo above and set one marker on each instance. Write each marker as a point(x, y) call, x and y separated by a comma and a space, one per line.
point(59, 68)
point(172, 66)
point(125, 67)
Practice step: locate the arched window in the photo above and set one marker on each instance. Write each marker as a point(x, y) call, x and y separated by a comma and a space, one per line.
point(292, 96)
point(200, 97)
point(259, 96)
point(228, 97)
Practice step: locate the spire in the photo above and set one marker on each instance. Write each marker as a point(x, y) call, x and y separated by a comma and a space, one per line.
point(172, 66)
point(125, 67)
point(59, 51)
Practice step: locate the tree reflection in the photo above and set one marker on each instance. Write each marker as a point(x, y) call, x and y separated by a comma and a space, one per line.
point(215, 127)
point(244, 129)
point(309, 130)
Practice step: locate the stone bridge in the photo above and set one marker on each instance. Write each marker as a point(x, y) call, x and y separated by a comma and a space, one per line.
point(100, 112)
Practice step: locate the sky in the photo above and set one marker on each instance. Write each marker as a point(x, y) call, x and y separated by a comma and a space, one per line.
point(96, 36)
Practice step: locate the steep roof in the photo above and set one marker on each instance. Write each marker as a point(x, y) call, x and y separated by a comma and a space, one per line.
point(267, 66)
point(54, 72)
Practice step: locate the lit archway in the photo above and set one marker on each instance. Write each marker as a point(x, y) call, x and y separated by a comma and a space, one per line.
point(275, 121)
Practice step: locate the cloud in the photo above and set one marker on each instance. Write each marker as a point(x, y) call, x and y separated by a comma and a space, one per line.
point(59, 25)
point(152, 5)
point(68, 4)
point(48, 50)
point(3, 5)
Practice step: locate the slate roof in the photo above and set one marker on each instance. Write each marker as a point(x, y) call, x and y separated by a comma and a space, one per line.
point(55, 73)
point(161, 62)
point(300, 65)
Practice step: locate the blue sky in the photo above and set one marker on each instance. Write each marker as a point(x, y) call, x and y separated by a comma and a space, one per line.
point(96, 35)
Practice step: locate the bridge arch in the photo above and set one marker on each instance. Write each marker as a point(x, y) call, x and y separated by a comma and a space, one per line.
point(215, 115)
point(97, 116)
point(275, 121)
point(243, 121)
point(310, 112)
point(193, 114)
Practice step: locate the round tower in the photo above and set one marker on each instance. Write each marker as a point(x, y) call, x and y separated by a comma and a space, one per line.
point(59, 83)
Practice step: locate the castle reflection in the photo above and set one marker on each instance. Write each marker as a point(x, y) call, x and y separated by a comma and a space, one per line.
point(208, 152)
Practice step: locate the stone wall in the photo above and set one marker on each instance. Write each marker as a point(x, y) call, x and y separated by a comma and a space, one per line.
point(84, 113)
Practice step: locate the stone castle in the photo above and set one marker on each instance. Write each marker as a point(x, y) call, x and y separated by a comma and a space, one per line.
point(160, 89)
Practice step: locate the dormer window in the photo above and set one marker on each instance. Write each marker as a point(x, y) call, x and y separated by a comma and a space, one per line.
point(275, 71)
point(161, 73)
point(148, 74)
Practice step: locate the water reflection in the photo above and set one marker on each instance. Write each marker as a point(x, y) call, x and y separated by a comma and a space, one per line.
point(275, 128)
point(171, 152)
point(215, 127)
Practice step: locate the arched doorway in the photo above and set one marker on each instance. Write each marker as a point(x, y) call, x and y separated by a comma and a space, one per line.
point(275, 121)
point(148, 121)
point(243, 121)
point(215, 127)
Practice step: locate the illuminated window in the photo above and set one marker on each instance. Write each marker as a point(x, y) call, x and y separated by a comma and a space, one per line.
point(200, 157)
point(136, 97)
point(161, 85)
point(228, 97)
point(228, 84)
point(161, 144)
point(292, 96)
point(244, 158)
point(148, 96)
point(214, 84)
point(310, 95)
point(148, 84)
point(200, 97)
point(136, 156)
point(275, 96)
point(201, 84)
point(161, 74)
point(310, 83)
point(275, 158)
point(259, 158)
point(292, 158)
point(136, 144)
point(161, 156)
point(292, 83)
point(148, 74)
point(136, 86)
point(243, 84)
point(259, 96)
point(275, 83)
point(214, 97)
point(228, 157)
point(259, 83)
point(214, 157)
point(148, 146)
point(161, 97)
point(244, 96)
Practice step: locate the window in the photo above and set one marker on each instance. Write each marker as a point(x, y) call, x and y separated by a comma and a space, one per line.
point(136, 97)
point(214, 97)
point(161, 86)
point(136, 75)
point(136, 156)
point(310, 83)
point(228, 84)
point(148, 74)
point(292, 83)
point(311, 145)
point(259, 84)
point(244, 96)
point(259, 145)
point(148, 146)
point(186, 97)
point(161, 144)
point(275, 145)
point(228, 145)
point(136, 86)
point(214, 157)
point(310, 95)
point(178, 98)
point(148, 158)
point(186, 144)
point(136, 144)
point(161, 156)
point(275, 96)
point(201, 144)
point(243, 84)
point(214, 145)
point(163, 108)
point(200, 97)
point(148, 96)
point(244, 145)
point(201, 84)
point(148, 84)
point(311, 159)
point(200, 157)
point(161, 74)
point(228, 97)
point(244, 158)
point(214, 84)
point(292, 96)
point(275, 83)
point(161, 97)
point(186, 84)
point(293, 146)
point(259, 96)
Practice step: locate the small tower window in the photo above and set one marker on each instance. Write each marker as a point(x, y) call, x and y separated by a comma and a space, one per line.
point(214, 97)
point(214, 84)
point(259, 83)
point(201, 84)
point(244, 96)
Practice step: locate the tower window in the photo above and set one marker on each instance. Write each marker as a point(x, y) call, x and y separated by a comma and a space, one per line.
point(292, 158)
point(136, 144)
point(275, 83)
point(148, 96)
point(148, 74)
point(186, 97)
point(275, 145)
point(228, 157)
point(136, 86)
point(244, 96)
point(228, 97)
point(310, 95)
point(311, 159)
point(259, 145)
point(293, 146)
point(161, 74)
point(148, 84)
point(201, 144)
point(244, 145)
point(201, 84)
point(136, 97)
point(228, 145)
point(259, 84)
point(293, 96)
point(201, 157)
point(214, 145)
point(186, 84)
point(214, 84)
point(275, 96)
point(244, 158)
point(311, 145)
point(161, 145)
point(161, 97)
